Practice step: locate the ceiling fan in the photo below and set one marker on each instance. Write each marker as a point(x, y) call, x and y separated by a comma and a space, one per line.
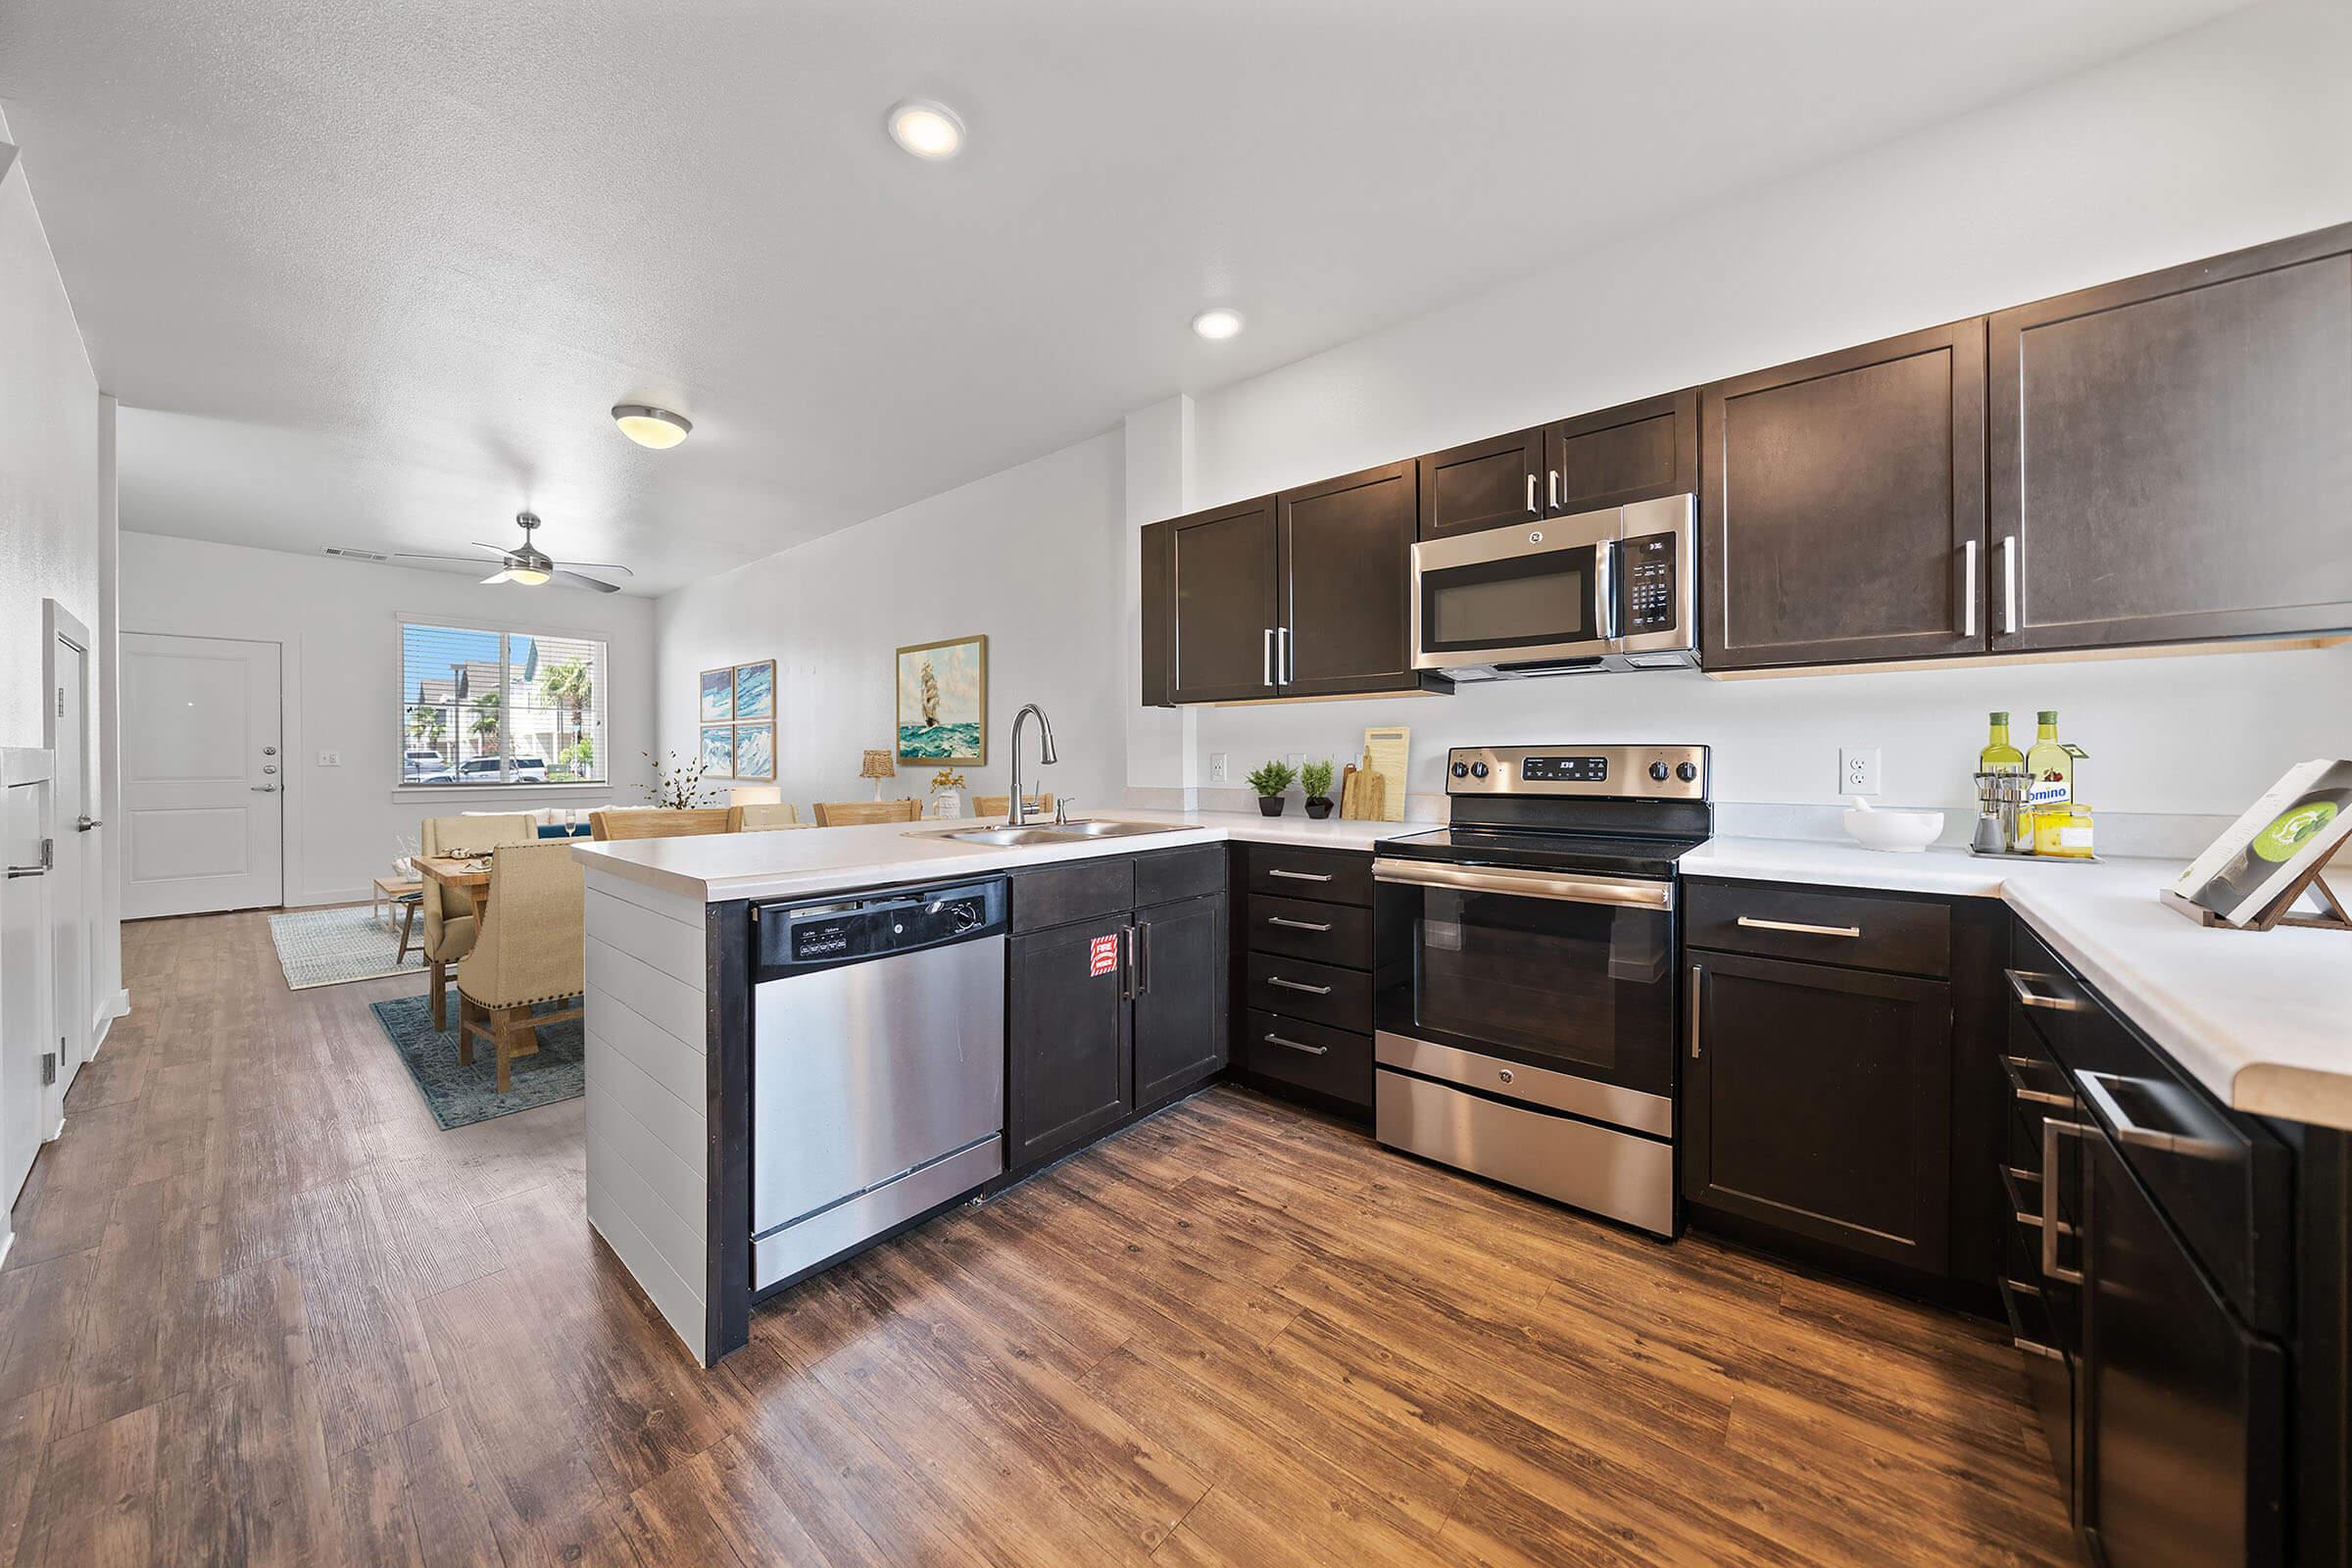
point(530, 564)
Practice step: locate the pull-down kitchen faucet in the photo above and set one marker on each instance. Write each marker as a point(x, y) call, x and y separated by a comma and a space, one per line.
point(1017, 812)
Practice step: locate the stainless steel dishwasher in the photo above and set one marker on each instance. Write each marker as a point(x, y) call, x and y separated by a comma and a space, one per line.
point(877, 1067)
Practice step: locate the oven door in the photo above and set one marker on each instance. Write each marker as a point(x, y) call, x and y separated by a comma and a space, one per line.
point(1513, 597)
point(1574, 974)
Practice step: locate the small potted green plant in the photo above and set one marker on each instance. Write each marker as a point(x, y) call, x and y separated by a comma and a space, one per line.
point(1269, 780)
point(1315, 779)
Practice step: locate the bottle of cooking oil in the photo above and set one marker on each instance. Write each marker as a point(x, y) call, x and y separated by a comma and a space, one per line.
point(2050, 764)
point(1998, 756)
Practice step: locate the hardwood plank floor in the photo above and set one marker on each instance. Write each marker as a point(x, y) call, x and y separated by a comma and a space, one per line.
point(261, 1310)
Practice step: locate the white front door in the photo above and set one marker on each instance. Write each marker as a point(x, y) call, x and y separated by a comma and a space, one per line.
point(203, 776)
point(72, 883)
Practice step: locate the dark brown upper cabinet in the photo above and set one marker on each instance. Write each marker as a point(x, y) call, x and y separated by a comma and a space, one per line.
point(1347, 550)
point(1159, 608)
point(1841, 517)
point(1635, 452)
point(1486, 484)
point(2172, 455)
point(1222, 577)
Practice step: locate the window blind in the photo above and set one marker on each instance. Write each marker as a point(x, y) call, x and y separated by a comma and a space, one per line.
point(497, 705)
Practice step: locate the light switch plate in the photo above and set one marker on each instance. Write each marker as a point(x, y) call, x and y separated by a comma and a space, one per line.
point(1295, 760)
point(1218, 763)
point(330, 758)
point(1857, 770)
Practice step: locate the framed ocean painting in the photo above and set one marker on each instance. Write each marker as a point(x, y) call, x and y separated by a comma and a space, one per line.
point(718, 696)
point(942, 704)
point(718, 750)
point(755, 751)
point(755, 690)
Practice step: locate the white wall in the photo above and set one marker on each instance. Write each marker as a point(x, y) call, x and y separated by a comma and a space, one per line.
point(2236, 133)
point(1031, 557)
point(336, 623)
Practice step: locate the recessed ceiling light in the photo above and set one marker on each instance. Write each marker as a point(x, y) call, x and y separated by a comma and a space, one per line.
point(926, 129)
point(650, 426)
point(1218, 323)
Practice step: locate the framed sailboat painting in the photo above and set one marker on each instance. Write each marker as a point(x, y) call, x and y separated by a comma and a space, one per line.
point(942, 704)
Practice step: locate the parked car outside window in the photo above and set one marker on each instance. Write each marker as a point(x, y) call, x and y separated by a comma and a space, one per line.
point(417, 764)
point(519, 770)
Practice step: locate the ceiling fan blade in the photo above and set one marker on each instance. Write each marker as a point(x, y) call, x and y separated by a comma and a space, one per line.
point(597, 565)
point(496, 550)
point(499, 577)
point(585, 582)
point(464, 561)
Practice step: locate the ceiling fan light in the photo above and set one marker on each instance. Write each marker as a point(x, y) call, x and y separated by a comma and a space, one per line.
point(528, 576)
point(649, 427)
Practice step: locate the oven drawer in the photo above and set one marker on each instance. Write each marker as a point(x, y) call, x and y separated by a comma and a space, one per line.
point(1308, 1055)
point(1854, 929)
point(1327, 933)
point(1297, 988)
point(1327, 876)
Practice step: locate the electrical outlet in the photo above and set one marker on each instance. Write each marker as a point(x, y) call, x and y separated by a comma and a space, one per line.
point(1857, 770)
point(330, 758)
point(1217, 765)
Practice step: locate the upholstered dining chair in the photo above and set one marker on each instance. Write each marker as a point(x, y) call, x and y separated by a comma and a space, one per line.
point(999, 804)
point(763, 819)
point(448, 913)
point(653, 823)
point(857, 813)
point(529, 950)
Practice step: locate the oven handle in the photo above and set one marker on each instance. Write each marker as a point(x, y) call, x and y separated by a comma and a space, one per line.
point(1526, 884)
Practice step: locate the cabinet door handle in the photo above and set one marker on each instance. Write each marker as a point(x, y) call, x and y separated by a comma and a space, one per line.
point(1799, 927)
point(1140, 954)
point(1533, 510)
point(1266, 659)
point(2034, 1347)
point(2052, 1129)
point(1298, 925)
point(2009, 583)
point(1551, 495)
point(1286, 659)
point(2032, 997)
point(1968, 588)
point(1697, 983)
point(1298, 985)
point(1312, 1050)
point(1300, 876)
point(2031, 1096)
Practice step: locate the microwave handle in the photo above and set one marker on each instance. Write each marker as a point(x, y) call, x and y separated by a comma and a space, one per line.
point(1604, 596)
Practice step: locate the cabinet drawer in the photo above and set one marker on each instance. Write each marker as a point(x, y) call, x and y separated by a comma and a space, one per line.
point(1173, 874)
point(1299, 989)
point(1327, 933)
point(1327, 876)
point(1308, 1055)
point(1082, 890)
point(1825, 927)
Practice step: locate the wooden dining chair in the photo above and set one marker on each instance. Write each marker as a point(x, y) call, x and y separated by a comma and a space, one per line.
point(531, 949)
point(449, 913)
point(653, 823)
point(764, 819)
point(1002, 804)
point(857, 813)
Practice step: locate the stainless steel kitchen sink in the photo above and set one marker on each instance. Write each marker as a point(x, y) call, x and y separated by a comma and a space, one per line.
point(1057, 833)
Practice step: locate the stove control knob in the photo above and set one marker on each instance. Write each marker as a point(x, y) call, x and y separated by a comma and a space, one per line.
point(1658, 770)
point(1685, 772)
point(1461, 770)
point(1478, 769)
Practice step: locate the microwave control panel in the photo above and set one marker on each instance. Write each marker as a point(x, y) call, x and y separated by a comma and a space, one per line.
point(1649, 582)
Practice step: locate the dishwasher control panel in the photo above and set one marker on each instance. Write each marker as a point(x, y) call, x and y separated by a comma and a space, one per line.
point(818, 935)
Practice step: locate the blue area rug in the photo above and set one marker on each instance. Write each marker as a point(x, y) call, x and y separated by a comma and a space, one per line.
point(458, 1094)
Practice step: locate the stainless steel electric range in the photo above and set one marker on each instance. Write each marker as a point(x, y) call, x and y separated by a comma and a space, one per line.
point(1526, 1000)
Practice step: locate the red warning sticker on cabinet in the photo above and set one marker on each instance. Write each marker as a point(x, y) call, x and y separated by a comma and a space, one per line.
point(1102, 955)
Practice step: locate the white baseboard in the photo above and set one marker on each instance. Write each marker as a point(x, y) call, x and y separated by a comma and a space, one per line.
point(8, 1238)
point(318, 898)
point(116, 1006)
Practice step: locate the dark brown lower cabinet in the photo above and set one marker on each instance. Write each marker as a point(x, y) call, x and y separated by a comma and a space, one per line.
point(1070, 1047)
point(1180, 1033)
point(1817, 1101)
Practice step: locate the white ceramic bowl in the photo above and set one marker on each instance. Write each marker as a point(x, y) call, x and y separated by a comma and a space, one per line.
point(1899, 832)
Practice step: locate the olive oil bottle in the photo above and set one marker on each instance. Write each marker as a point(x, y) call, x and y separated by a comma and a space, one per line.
point(2051, 766)
point(1998, 756)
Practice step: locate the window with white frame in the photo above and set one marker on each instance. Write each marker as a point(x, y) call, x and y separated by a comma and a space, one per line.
point(497, 705)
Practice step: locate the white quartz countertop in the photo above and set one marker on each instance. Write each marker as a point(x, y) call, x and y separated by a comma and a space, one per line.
point(716, 867)
point(2262, 1018)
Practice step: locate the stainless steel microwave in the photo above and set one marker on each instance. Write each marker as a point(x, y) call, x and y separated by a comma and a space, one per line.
point(1614, 589)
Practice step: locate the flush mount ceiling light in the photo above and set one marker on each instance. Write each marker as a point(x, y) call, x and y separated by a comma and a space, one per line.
point(649, 427)
point(1218, 323)
point(926, 129)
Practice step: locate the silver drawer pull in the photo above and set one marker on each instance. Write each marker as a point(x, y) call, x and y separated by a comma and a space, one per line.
point(1312, 1050)
point(1298, 925)
point(2052, 1227)
point(2021, 1287)
point(1799, 927)
point(2032, 1097)
point(1300, 876)
point(1298, 985)
point(2046, 1353)
point(2018, 983)
point(2131, 1133)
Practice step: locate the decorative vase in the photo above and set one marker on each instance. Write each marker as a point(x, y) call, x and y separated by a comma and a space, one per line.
point(1272, 805)
point(1318, 806)
point(945, 804)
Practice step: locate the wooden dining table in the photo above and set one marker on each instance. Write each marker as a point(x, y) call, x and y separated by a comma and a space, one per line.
point(471, 875)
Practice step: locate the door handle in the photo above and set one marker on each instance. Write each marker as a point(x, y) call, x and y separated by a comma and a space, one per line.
point(84, 824)
point(1318, 927)
point(1799, 927)
point(265, 789)
point(1604, 600)
point(41, 867)
point(1698, 982)
point(1298, 985)
point(1968, 588)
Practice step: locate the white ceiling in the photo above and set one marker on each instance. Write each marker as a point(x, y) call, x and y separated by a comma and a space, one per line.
point(371, 274)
